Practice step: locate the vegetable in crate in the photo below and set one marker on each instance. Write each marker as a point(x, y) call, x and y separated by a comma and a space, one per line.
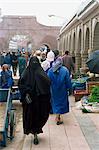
point(94, 97)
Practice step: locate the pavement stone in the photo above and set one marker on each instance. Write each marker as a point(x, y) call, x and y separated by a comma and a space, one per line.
point(79, 132)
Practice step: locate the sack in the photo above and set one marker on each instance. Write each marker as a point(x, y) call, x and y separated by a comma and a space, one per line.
point(28, 99)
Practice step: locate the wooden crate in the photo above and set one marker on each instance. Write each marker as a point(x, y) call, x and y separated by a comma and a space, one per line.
point(91, 84)
point(79, 94)
point(2, 115)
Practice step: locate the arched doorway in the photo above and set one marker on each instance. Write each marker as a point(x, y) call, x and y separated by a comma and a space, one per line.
point(96, 37)
point(79, 42)
point(86, 49)
point(64, 45)
point(79, 48)
point(20, 43)
point(73, 48)
point(78, 52)
point(87, 40)
point(69, 44)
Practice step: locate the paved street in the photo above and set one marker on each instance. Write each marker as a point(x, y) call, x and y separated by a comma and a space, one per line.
point(79, 132)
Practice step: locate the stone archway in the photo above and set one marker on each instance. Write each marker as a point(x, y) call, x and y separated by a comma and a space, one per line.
point(86, 50)
point(27, 25)
point(96, 37)
point(87, 40)
point(69, 44)
point(73, 47)
point(79, 41)
point(64, 44)
point(20, 42)
point(78, 52)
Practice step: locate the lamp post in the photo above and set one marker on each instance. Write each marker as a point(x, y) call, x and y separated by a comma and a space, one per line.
point(52, 15)
point(60, 17)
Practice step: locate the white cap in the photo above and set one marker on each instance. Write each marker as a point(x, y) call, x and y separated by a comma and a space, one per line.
point(50, 56)
point(45, 65)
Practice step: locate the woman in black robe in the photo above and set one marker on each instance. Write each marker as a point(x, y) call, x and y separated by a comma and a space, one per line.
point(34, 86)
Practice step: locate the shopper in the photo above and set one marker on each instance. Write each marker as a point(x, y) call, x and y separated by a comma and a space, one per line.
point(6, 77)
point(34, 86)
point(14, 60)
point(22, 63)
point(68, 62)
point(60, 84)
point(47, 64)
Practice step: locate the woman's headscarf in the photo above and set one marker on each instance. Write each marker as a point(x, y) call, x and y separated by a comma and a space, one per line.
point(57, 64)
point(56, 53)
point(35, 79)
point(50, 56)
point(47, 63)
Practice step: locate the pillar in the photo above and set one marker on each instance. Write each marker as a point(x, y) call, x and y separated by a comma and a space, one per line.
point(77, 61)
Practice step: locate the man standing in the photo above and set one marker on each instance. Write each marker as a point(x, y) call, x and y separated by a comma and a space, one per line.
point(14, 60)
point(68, 62)
point(21, 63)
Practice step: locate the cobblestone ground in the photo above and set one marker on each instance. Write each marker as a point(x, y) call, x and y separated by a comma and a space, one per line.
point(79, 132)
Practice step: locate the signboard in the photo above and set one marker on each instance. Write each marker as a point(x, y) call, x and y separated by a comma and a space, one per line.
point(13, 45)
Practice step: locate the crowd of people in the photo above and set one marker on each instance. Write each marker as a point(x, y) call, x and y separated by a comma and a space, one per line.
point(44, 84)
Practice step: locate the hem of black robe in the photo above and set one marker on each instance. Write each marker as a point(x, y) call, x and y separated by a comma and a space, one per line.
point(33, 132)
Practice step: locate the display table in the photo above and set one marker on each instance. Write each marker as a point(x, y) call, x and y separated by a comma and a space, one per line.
point(90, 85)
point(79, 94)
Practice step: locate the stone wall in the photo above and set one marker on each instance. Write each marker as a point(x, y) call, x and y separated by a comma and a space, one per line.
point(37, 33)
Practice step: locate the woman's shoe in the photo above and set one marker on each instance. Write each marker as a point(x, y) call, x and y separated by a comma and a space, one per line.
point(36, 141)
point(59, 122)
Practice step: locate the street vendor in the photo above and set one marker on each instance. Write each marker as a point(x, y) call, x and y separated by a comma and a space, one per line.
point(6, 77)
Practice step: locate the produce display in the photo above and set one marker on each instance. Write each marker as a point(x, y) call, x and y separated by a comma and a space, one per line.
point(94, 96)
point(91, 103)
point(79, 84)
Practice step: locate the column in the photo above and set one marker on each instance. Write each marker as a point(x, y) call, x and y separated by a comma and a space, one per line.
point(77, 61)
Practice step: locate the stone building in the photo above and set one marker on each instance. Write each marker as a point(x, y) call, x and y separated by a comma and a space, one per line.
point(81, 34)
point(27, 26)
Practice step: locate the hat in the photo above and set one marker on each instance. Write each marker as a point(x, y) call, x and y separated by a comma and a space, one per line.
point(50, 56)
point(57, 64)
point(45, 65)
point(56, 52)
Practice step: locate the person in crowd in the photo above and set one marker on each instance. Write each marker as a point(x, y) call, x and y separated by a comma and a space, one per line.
point(27, 56)
point(46, 65)
point(60, 84)
point(56, 53)
point(43, 56)
point(7, 59)
point(1, 59)
point(4, 53)
point(68, 62)
point(6, 77)
point(48, 50)
point(21, 63)
point(38, 54)
point(34, 86)
point(14, 60)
